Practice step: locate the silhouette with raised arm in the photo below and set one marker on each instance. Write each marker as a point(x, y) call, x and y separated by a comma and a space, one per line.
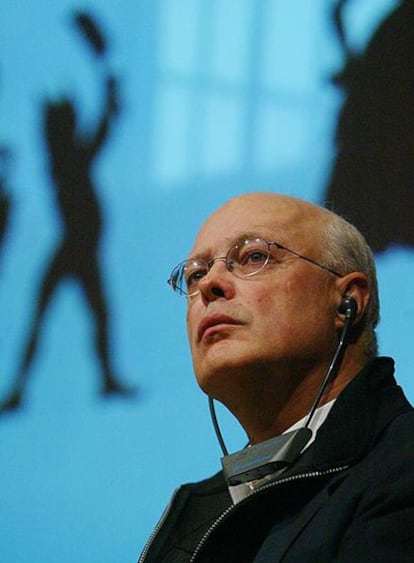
point(72, 154)
point(372, 181)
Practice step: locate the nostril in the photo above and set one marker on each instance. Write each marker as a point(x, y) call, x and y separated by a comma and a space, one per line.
point(217, 292)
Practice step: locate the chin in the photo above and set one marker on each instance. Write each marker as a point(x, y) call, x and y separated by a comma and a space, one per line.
point(220, 377)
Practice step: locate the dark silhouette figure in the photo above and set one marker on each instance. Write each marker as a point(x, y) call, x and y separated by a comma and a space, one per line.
point(5, 156)
point(71, 156)
point(372, 182)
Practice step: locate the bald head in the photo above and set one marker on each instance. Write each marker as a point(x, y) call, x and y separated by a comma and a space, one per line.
point(293, 218)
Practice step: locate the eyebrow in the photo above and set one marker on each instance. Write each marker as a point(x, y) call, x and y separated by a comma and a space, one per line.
point(249, 234)
point(206, 255)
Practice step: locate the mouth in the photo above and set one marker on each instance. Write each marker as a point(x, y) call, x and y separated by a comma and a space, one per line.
point(211, 323)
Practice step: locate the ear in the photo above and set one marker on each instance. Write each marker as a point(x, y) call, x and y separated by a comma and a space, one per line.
point(353, 285)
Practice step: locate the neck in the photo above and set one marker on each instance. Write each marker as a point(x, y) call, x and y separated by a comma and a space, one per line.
point(266, 407)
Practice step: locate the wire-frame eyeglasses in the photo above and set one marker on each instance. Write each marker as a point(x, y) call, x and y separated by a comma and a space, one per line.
point(244, 259)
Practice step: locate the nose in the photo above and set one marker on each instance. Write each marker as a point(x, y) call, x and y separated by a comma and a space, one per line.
point(211, 262)
point(218, 282)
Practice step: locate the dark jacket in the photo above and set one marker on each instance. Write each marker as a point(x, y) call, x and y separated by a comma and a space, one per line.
point(350, 497)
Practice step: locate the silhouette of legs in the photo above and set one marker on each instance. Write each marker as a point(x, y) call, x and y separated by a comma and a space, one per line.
point(82, 265)
point(51, 279)
point(90, 280)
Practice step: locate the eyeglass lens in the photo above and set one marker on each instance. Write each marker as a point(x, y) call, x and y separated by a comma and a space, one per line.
point(244, 259)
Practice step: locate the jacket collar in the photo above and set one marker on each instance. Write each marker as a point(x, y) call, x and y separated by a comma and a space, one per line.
point(360, 413)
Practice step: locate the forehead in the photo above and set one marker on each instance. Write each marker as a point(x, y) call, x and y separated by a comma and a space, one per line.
point(281, 218)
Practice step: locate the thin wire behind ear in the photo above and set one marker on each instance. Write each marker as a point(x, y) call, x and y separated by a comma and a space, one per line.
point(350, 309)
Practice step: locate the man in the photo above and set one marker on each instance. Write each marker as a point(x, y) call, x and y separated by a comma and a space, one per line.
point(266, 284)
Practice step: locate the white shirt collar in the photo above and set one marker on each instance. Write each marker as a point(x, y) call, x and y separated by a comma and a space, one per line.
point(238, 492)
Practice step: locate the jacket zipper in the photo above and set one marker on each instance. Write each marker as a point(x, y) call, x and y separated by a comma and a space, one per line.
point(275, 484)
point(158, 527)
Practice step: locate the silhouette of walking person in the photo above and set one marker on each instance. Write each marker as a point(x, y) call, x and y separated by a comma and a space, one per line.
point(76, 256)
point(71, 157)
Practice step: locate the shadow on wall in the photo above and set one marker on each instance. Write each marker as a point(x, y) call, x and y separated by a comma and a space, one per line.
point(71, 156)
point(5, 157)
point(372, 182)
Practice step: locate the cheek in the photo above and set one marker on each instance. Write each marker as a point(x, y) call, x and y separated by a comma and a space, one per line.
point(286, 309)
point(189, 324)
point(268, 312)
point(192, 320)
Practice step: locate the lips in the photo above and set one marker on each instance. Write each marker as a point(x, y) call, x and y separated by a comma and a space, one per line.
point(215, 320)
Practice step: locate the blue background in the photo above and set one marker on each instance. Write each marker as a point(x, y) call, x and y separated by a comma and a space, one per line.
point(218, 97)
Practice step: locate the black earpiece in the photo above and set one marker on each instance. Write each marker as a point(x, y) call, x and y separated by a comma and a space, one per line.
point(348, 307)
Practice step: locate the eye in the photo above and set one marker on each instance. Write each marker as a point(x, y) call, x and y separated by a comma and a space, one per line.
point(254, 257)
point(193, 276)
point(252, 254)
